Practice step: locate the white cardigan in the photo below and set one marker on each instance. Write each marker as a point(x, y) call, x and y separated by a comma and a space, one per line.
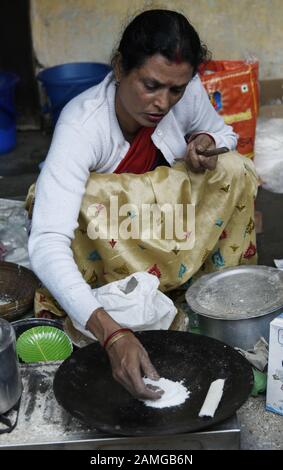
point(88, 138)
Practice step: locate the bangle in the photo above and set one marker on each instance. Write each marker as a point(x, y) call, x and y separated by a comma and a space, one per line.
point(116, 338)
point(121, 330)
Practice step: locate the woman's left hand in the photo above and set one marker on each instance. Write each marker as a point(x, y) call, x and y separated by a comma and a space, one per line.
point(196, 162)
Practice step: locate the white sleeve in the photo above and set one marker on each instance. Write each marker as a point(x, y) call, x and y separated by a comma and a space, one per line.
point(59, 191)
point(198, 115)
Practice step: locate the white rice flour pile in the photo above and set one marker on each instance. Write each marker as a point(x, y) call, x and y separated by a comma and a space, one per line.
point(175, 393)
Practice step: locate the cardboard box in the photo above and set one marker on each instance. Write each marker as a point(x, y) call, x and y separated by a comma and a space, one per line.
point(271, 98)
point(274, 395)
point(271, 92)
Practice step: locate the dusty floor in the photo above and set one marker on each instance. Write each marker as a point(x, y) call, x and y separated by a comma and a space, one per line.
point(19, 169)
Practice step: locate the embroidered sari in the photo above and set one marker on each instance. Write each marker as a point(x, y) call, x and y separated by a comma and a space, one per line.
point(221, 235)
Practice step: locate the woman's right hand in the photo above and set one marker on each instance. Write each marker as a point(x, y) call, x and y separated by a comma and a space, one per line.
point(129, 360)
point(195, 161)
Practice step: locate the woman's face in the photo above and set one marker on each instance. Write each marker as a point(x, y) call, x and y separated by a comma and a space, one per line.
point(147, 93)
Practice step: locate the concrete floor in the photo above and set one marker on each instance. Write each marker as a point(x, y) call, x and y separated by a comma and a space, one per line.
point(19, 169)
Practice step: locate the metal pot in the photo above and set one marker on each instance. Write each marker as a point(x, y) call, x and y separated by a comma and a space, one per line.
point(236, 305)
point(10, 380)
point(237, 333)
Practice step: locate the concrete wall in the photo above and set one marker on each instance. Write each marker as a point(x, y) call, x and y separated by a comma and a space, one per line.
point(82, 30)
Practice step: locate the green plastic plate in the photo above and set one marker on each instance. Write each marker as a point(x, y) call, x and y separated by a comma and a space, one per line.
point(43, 344)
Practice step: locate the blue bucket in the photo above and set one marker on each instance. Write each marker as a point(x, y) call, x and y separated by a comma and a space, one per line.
point(64, 82)
point(7, 111)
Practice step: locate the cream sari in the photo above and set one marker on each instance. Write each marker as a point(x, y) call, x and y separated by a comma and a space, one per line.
point(223, 232)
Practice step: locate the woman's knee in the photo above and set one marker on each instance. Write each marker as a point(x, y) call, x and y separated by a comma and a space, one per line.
point(238, 171)
point(231, 165)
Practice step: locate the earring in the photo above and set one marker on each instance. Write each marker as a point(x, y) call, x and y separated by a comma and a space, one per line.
point(117, 83)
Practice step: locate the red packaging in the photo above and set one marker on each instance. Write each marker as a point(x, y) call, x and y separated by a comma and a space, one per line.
point(233, 89)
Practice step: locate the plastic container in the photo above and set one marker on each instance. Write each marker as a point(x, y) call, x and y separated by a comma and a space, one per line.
point(7, 111)
point(64, 82)
point(10, 380)
point(20, 326)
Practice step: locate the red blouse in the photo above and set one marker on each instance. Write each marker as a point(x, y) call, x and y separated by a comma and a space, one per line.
point(141, 155)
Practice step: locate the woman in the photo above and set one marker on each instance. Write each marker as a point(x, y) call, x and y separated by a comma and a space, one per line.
point(135, 122)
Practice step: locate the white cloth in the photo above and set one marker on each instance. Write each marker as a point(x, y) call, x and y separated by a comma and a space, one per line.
point(87, 138)
point(258, 356)
point(135, 302)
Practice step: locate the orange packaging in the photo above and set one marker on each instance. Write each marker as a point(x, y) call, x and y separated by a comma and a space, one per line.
point(233, 89)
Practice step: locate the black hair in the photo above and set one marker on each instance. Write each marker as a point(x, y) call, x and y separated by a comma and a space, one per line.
point(164, 32)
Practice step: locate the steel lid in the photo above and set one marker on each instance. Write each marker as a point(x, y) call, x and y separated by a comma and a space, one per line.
point(237, 293)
